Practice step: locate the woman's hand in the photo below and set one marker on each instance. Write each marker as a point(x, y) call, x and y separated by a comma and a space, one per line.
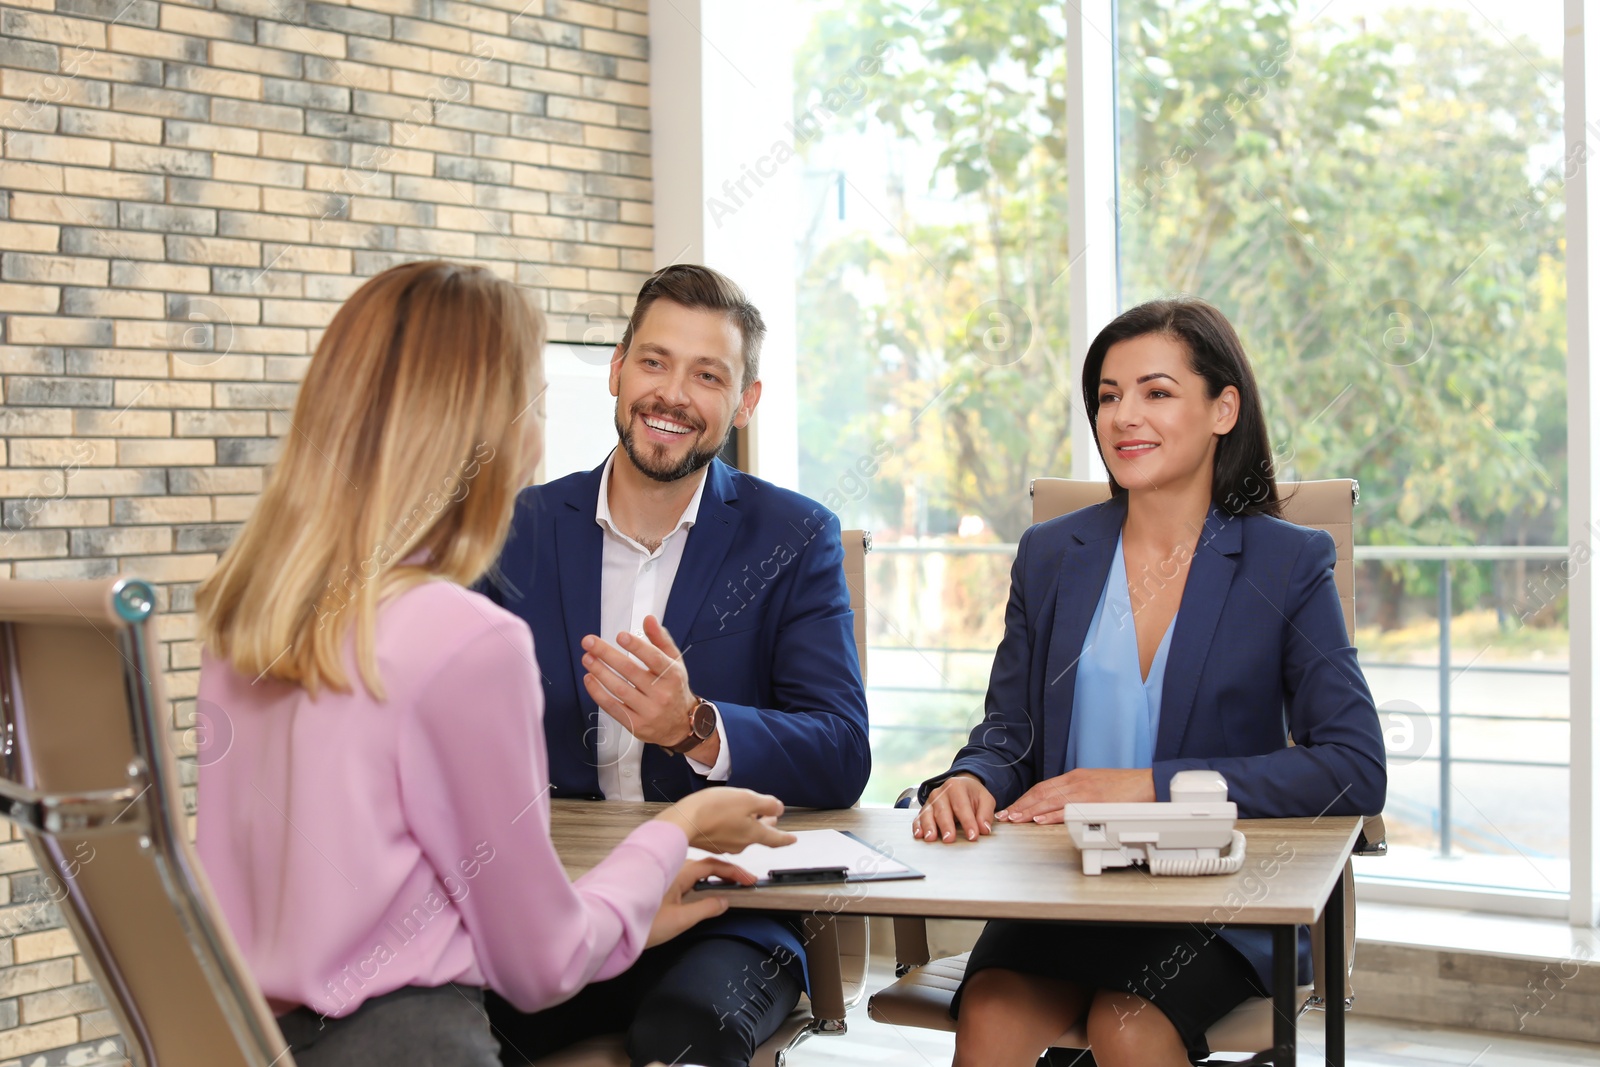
point(723, 819)
point(961, 803)
point(1047, 801)
point(675, 916)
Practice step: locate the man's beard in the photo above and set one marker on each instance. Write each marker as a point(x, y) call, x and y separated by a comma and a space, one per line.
point(692, 461)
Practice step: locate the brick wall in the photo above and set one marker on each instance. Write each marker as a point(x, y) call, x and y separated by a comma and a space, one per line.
point(187, 191)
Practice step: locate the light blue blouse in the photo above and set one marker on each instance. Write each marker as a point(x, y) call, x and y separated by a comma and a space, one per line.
point(1114, 713)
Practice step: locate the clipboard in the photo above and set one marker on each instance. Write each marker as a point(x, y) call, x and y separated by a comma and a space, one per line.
point(817, 856)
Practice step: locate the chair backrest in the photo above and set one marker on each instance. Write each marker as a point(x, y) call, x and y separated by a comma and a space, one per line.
point(91, 780)
point(1324, 505)
point(857, 543)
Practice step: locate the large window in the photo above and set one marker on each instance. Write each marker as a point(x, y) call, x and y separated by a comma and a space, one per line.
point(1371, 191)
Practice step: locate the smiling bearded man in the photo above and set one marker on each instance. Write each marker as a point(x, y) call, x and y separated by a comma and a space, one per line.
point(614, 570)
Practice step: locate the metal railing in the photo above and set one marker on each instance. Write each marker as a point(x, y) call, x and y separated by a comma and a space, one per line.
point(1442, 556)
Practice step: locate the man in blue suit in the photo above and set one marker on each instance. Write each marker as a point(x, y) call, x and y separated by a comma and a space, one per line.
point(693, 627)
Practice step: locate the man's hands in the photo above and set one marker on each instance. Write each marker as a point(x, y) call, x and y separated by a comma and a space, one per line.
point(960, 804)
point(1047, 801)
point(675, 916)
point(653, 701)
point(723, 819)
point(963, 806)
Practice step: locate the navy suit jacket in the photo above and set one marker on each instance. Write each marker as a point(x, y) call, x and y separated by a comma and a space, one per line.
point(1259, 651)
point(761, 612)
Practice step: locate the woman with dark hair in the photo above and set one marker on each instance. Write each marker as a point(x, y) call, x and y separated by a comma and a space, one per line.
point(1179, 625)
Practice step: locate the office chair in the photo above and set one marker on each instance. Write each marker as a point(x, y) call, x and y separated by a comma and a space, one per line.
point(837, 946)
point(87, 774)
point(922, 994)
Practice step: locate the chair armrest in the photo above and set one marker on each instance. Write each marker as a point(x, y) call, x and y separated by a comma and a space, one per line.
point(907, 798)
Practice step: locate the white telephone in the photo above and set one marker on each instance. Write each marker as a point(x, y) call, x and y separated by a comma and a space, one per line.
point(1193, 834)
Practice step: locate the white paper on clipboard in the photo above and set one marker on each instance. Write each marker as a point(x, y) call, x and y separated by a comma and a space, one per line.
point(817, 848)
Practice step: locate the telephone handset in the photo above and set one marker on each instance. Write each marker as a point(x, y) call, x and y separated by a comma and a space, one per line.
point(1191, 834)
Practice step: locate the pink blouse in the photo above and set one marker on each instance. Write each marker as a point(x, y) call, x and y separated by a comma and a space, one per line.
point(357, 847)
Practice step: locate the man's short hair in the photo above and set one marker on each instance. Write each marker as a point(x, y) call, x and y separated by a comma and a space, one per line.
point(703, 289)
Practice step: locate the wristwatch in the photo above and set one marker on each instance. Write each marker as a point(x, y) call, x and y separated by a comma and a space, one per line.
point(702, 724)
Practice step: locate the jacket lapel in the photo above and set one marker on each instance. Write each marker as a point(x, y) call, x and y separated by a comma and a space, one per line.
point(710, 539)
point(1085, 563)
point(578, 549)
point(1204, 595)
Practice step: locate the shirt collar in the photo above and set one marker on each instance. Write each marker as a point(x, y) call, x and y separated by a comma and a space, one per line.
point(602, 509)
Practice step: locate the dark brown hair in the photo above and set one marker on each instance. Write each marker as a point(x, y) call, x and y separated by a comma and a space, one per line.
point(1242, 478)
point(703, 289)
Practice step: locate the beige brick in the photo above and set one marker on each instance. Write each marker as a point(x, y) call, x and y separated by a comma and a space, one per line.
point(259, 171)
point(111, 127)
point(38, 972)
point(581, 13)
point(53, 28)
point(41, 422)
point(27, 1039)
point(349, 74)
point(31, 483)
point(389, 54)
point(112, 244)
point(56, 330)
point(46, 945)
point(120, 541)
point(217, 250)
point(160, 159)
point(46, 513)
point(293, 202)
point(92, 422)
point(205, 136)
point(297, 312)
point(117, 363)
point(157, 45)
point(606, 233)
point(287, 368)
point(17, 359)
point(239, 84)
point(174, 568)
point(162, 395)
point(217, 367)
point(297, 149)
point(152, 452)
point(41, 177)
point(220, 424)
point(100, 481)
point(60, 452)
point(587, 111)
point(29, 237)
point(61, 1002)
point(269, 341)
point(616, 140)
point(74, 92)
point(61, 270)
point(200, 23)
point(113, 184)
point(29, 298)
point(234, 508)
point(319, 43)
point(263, 227)
point(164, 276)
point(204, 480)
point(300, 258)
point(34, 544)
point(115, 303)
point(202, 193)
point(156, 510)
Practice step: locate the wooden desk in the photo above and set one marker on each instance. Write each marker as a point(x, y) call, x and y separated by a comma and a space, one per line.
point(1292, 872)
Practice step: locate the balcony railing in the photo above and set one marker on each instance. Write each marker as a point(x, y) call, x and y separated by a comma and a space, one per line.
point(1444, 667)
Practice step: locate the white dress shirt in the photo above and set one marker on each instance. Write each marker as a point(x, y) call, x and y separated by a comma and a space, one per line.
point(635, 582)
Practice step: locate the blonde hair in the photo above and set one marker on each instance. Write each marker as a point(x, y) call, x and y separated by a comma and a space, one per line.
point(407, 450)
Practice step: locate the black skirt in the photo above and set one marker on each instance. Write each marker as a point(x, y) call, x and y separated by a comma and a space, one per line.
point(1187, 971)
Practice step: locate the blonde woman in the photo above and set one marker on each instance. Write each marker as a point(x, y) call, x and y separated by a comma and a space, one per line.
point(378, 833)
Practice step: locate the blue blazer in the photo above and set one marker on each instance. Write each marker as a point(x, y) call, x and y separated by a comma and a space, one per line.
point(761, 612)
point(1260, 645)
